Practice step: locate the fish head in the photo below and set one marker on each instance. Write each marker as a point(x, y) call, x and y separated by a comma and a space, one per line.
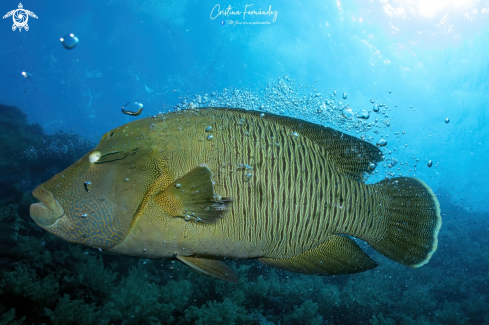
point(92, 202)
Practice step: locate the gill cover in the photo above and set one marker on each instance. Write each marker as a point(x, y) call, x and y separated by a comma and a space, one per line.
point(98, 216)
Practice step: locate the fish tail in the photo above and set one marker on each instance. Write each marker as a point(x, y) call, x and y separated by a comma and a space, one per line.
point(410, 221)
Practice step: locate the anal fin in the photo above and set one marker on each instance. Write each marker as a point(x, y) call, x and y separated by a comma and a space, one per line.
point(338, 255)
point(210, 267)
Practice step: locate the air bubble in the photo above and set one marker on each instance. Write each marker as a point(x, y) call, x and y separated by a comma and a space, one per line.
point(132, 108)
point(208, 129)
point(371, 166)
point(375, 108)
point(430, 163)
point(390, 91)
point(344, 95)
point(187, 217)
point(381, 143)
point(84, 215)
point(69, 41)
point(243, 166)
point(247, 177)
point(348, 113)
point(178, 185)
point(364, 114)
point(87, 186)
point(126, 179)
point(295, 134)
point(447, 120)
point(209, 137)
point(262, 114)
point(372, 101)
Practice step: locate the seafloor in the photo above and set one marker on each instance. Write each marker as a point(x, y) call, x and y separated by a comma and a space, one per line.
point(46, 280)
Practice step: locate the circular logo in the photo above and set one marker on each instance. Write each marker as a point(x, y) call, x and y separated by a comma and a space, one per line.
point(20, 18)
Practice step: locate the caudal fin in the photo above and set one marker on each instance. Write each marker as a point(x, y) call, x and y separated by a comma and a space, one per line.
point(412, 218)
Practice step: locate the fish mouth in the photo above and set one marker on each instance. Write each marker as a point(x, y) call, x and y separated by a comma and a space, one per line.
point(48, 211)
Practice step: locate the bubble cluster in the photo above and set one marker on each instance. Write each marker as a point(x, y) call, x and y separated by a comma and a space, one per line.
point(286, 97)
point(56, 148)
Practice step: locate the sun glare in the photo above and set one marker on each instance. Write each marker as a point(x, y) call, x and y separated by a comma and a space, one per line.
point(430, 8)
point(429, 22)
point(424, 8)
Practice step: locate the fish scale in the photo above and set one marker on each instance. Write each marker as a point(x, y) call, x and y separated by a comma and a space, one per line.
point(272, 219)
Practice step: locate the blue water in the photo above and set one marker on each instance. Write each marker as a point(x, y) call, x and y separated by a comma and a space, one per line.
point(426, 62)
point(155, 52)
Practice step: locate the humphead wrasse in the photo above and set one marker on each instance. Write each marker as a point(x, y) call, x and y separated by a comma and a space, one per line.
point(202, 185)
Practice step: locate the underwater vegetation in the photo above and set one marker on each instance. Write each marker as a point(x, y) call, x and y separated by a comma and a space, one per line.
point(46, 280)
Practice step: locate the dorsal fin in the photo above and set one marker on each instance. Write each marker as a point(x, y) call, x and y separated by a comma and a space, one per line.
point(351, 156)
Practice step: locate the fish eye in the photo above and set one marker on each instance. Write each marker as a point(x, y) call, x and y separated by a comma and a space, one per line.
point(94, 156)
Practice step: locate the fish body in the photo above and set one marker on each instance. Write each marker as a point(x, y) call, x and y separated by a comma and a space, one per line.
point(202, 185)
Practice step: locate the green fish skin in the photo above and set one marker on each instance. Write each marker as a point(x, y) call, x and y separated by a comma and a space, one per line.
point(202, 185)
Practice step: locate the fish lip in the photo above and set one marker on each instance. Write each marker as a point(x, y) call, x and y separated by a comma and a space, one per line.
point(46, 212)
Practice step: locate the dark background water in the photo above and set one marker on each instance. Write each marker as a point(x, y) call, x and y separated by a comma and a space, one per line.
point(432, 57)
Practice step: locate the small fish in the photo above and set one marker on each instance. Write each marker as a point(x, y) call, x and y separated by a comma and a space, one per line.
point(298, 210)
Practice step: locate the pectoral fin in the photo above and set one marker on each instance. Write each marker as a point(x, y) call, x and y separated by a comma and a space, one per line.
point(210, 267)
point(193, 195)
point(338, 255)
